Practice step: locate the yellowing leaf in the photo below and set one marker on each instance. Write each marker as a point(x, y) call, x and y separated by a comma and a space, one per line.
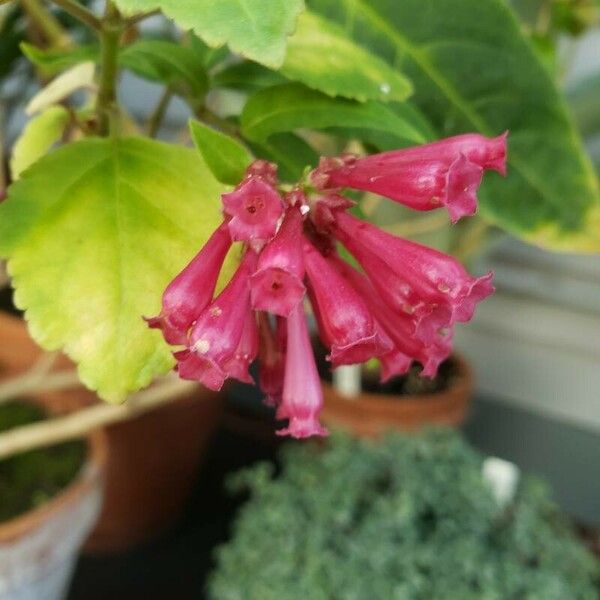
point(38, 137)
point(93, 233)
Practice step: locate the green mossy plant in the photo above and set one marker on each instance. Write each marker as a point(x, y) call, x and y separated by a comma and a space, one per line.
point(29, 479)
point(409, 518)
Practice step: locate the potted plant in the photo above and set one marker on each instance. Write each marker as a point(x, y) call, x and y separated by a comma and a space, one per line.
point(146, 456)
point(50, 500)
point(408, 517)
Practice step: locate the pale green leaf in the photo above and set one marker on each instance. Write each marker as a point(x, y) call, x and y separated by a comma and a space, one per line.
point(38, 136)
point(93, 232)
point(256, 29)
point(225, 156)
point(323, 57)
point(473, 70)
point(289, 107)
point(80, 76)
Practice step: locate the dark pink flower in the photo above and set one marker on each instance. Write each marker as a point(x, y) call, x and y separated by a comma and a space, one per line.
point(302, 393)
point(277, 285)
point(444, 173)
point(255, 208)
point(215, 338)
point(345, 322)
point(192, 290)
point(272, 358)
point(246, 352)
point(430, 287)
point(399, 328)
point(263, 169)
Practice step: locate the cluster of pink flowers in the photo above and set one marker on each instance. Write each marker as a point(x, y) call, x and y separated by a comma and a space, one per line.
point(401, 306)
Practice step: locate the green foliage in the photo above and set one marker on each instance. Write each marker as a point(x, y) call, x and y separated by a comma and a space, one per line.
point(246, 76)
point(321, 56)
point(177, 66)
point(256, 29)
point(224, 155)
point(409, 518)
point(31, 478)
point(93, 232)
point(11, 34)
point(292, 106)
point(55, 60)
point(472, 69)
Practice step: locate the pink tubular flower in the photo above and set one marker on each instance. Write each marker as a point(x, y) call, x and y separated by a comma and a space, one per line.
point(302, 394)
point(345, 322)
point(255, 208)
point(191, 291)
point(215, 338)
point(400, 305)
point(430, 286)
point(246, 352)
point(277, 284)
point(272, 359)
point(398, 327)
point(447, 172)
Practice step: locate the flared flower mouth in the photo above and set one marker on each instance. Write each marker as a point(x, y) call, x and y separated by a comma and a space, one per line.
point(400, 304)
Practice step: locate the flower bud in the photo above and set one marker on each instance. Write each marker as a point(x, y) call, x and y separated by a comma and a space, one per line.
point(192, 290)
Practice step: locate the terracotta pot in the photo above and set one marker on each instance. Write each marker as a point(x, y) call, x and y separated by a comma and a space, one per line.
point(39, 548)
point(372, 414)
point(152, 460)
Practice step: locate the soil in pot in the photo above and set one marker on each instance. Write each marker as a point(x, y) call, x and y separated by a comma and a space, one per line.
point(30, 479)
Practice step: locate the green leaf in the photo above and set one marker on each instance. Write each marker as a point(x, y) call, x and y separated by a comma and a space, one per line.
point(322, 56)
point(290, 152)
point(472, 69)
point(38, 136)
point(256, 29)
point(247, 76)
point(54, 61)
point(224, 155)
point(292, 106)
point(93, 233)
point(177, 66)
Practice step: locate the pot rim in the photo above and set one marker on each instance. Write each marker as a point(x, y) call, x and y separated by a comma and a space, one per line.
point(462, 383)
point(84, 481)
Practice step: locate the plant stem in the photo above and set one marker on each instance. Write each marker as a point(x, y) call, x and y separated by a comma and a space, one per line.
point(210, 118)
point(80, 12)
point(157, 116)
point(46, 23)
point(110, 36)
point(135, 19)
point(38, 379)
point(79, 424)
